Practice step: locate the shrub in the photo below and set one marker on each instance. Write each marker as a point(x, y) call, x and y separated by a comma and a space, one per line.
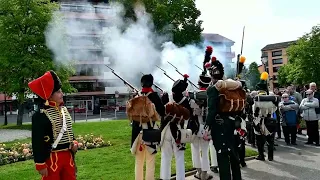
point(21, 152)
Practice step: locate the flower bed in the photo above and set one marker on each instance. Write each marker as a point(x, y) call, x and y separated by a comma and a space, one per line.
point(21, 152)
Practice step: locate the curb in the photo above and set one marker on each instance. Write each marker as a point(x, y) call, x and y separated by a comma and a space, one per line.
point(193, 171)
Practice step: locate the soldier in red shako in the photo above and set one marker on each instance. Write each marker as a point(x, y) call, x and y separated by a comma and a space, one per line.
point(53, 141)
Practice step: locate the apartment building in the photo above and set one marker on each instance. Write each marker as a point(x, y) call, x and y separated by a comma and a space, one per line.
point(273, 56)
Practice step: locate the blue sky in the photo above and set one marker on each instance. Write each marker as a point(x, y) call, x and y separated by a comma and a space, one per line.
point(266, 21)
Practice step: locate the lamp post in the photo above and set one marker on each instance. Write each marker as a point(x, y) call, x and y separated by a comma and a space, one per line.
point(264, 61)
point(116, 96)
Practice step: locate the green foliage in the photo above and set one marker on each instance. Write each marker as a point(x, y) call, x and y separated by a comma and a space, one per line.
point(24, 55)
point(252, 75)
point(177, 18)
point(304, 60)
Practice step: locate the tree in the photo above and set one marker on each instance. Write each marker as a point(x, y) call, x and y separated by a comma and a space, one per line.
point(174, 17)
point(24, 55)
point(304, 60)
point(253, 75)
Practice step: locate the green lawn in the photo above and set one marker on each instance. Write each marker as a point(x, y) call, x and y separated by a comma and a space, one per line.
point(108, 163)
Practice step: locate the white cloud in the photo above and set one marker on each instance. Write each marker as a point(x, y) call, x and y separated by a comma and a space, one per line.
point(262, 26)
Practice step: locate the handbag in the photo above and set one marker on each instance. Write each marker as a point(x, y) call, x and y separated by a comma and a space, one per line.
point(186, 136)
point(270, 123)
point(151, 136)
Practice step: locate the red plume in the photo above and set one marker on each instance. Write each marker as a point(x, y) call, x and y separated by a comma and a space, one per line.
point(207, 65)
point(209, 49)
point(213, 58)
point(186, 76)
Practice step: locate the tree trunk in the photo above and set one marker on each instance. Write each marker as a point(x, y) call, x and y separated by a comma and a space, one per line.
point(5, 110)
point(20, 114)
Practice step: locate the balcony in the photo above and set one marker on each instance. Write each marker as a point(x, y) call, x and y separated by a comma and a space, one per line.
point(120, 89)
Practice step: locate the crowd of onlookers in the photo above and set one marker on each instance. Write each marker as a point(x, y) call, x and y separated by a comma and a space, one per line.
point(297, 105)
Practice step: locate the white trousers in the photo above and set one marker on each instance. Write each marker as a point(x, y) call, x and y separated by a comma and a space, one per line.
point(200, 154)
point(213, 155)
point(169, 148)
point(150, 159)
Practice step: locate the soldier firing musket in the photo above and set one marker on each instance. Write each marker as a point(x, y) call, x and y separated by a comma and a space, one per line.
point(165, 73)
point(183, 75)
point(123, 80)
point(157, 86)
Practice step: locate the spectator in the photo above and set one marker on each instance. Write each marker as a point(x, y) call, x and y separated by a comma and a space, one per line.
point(289, 110)
point(276, 91)
point(316, 94)
point(297, 96)
point(308, 107)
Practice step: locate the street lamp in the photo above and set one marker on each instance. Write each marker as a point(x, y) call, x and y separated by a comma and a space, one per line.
point(116, 96)
point(264, 61)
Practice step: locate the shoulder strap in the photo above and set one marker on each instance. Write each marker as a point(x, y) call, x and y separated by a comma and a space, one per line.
point(63, 129)
point(181, 101)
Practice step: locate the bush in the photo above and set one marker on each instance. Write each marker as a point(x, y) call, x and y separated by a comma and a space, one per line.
point(21, 152)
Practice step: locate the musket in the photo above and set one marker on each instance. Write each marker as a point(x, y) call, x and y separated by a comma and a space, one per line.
point(165, 73)
point(238, 56)
point(199, 67)
point(123, 80)
point(182, 75)
point(158, 87)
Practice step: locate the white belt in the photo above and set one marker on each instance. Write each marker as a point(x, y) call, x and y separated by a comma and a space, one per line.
point(63, 129)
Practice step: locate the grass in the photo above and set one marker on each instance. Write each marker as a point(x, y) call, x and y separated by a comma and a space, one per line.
point(108, 163)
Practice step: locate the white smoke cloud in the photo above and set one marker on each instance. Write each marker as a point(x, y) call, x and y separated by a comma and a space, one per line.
point(133, 47)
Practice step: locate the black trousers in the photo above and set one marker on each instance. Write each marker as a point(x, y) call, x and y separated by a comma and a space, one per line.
point(261, 140)
point(241, 147)
point(279, 129)
point(251, 136)
point(313, 131)
point(290, 131)
point(225, 160)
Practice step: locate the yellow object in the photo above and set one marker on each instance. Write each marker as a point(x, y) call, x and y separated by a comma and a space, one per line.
point(242, 59)
point(264, 76)
point(46, 103)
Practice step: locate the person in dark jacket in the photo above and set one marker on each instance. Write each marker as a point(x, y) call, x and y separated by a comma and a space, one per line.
point(289, 110)
point(53, 142)
point(144, 152)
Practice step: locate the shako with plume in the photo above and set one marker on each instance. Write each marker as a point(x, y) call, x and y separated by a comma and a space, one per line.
point(45, 85)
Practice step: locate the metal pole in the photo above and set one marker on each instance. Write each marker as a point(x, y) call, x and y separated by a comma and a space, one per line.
point(74, 115)
point(86, 110)
point(86, 115)
point(115, 110)
point(100, 114)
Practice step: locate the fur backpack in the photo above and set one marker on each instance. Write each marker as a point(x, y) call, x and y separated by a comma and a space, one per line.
point(232, 96)
point(141, 109)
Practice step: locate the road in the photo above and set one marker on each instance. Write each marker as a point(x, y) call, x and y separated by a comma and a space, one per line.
point(290, 162)
point(12, 119)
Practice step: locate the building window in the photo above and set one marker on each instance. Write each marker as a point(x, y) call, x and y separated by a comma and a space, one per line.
point(264, 54)
point(275, 78)
point(276, 69)
point(277, 61)
point(276, 53)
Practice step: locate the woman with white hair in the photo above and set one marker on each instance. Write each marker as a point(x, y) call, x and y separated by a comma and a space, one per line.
point(308, 107)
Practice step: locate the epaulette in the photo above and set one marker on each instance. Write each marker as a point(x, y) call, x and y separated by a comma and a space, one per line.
point(42, 110)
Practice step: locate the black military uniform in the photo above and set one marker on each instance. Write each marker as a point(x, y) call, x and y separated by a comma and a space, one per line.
point(222, 127)
point(52, 136)
point(266, 125)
